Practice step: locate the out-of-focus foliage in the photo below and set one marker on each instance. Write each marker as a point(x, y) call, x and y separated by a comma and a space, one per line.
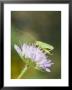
point(29, 26)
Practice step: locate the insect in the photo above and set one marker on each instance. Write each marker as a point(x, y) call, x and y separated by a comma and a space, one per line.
point(45, 47)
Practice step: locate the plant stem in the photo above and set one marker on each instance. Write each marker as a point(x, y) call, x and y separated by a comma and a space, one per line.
point(22, 72)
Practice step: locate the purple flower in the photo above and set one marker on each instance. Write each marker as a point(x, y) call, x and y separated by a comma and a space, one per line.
point(35, 54)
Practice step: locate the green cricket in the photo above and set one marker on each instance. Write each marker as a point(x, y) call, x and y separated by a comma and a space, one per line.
point(45, 47)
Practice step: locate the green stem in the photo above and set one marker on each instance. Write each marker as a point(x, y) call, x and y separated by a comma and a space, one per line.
point(22, 72)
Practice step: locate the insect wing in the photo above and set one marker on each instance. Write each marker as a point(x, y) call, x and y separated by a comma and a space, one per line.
point(44, 45)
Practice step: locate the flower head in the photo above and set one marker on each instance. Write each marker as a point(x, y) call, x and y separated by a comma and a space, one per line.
point(36, 55)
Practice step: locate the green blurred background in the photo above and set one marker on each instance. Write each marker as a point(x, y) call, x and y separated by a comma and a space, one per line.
point(28, 26)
